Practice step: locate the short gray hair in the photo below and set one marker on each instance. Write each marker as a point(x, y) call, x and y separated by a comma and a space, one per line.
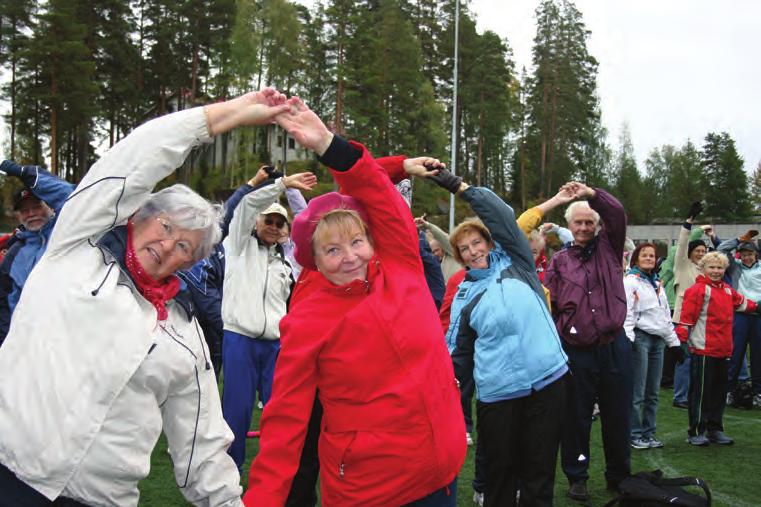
point(187, 210)
point(579, 205)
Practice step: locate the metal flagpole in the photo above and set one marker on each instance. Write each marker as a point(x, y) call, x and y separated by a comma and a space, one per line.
point(453, 157)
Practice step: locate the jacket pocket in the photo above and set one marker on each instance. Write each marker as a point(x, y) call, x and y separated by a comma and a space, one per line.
point(346, 455)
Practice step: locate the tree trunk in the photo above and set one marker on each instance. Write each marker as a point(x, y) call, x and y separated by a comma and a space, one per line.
point(36, 148)
point(553, 141)
point(13, 107)
point(53, 128)
point(194, 75)
point(340, 90)
point(84, 153)
point(543, 159)
point(523, 173)
point(111, 122)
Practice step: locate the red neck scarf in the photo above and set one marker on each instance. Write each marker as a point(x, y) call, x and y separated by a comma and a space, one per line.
point(156, 292)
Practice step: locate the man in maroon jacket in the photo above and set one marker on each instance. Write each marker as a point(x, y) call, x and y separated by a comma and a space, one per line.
point(589, 306)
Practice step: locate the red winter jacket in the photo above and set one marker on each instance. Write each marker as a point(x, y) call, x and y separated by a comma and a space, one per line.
point(706, 318)
point(392, 430)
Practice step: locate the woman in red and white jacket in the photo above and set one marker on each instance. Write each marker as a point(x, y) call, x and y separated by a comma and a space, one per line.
point(706, 325)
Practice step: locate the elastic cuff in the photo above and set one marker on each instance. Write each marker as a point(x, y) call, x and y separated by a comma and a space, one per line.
point(11, 168)
point(340, 155)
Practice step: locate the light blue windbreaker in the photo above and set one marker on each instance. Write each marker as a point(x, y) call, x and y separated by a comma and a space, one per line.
point(501, 332)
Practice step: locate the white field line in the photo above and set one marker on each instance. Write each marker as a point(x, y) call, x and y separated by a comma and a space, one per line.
point(658, 463)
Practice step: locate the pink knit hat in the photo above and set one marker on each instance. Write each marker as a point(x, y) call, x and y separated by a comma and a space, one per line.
point(305, 223)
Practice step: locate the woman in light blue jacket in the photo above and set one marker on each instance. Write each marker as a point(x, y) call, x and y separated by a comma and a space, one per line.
point(502, 334)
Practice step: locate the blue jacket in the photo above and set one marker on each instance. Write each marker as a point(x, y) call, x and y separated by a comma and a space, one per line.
point(30, 245)
point(432, 270)
point(501, 332)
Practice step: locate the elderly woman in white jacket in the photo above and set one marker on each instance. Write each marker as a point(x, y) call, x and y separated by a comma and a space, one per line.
point(104, 351)
point(648, 326)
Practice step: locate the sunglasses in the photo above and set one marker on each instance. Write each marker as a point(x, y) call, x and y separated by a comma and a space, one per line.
point(277, 222)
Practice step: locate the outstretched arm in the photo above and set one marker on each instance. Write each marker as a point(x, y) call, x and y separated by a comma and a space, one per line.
point(498, 217)
point(611, 212)
point(120, 182)
point(44, 185)
point(358, 175)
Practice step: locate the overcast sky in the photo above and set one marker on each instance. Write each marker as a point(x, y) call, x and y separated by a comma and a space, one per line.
point(671, 69)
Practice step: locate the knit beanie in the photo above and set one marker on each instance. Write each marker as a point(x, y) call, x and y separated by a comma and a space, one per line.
point(693, 245)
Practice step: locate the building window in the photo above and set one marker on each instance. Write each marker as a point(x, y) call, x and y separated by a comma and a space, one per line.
point(291, 143)
point(279, 141)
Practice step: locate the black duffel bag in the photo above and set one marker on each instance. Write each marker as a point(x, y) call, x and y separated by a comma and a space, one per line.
point(651, 489)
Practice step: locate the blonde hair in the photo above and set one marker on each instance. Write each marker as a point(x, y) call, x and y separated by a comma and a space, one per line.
point(465, 227)
point(344, 221)
point(714, 257)
point(536, 236)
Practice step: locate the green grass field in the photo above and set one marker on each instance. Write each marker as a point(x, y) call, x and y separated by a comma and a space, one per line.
point(731, 471)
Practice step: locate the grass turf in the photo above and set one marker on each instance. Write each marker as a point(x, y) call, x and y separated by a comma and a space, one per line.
point(729, 470)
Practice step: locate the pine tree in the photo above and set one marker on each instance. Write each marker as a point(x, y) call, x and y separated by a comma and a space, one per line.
point(316, 80)
point(627, 181)
point(755, 190)
point(117, 66)
point(656, 183)
point(685, 179)
point(725, 180)
point(246, 44)
point(15, 22)
point(59, 56)
point(340, 19)
point(562, 98)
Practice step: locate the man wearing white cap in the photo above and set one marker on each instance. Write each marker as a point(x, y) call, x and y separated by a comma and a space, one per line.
point(257, 285)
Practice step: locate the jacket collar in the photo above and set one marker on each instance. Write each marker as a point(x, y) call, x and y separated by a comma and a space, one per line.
point(479, 274)
point(115, 243)
point(355, 287)
point(26, 235)
point(583, 252)
point(277, 246)
point(703, 279)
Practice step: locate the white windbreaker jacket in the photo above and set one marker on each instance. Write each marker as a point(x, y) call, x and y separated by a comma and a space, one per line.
point(647, 309)
point(257, 278)
point(88, 376)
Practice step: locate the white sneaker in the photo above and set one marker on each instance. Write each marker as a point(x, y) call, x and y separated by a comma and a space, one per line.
point(478, 499)
point(259, 405)
point(468, 439)
point(757, 401)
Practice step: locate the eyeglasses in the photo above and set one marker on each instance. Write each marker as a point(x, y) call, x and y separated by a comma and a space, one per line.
point(184, 249)
point(277, 222)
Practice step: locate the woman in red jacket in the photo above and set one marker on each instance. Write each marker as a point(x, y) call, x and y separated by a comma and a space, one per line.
point(365, 336)
point(705, 323)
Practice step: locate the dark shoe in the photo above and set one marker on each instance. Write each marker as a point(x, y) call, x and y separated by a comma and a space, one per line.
point(698, 440)
point(680, 404)
point(718, 437)
point(612, 485)
point(578, 491)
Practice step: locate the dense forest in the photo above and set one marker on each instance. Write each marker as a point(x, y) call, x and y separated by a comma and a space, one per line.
point(80, 74)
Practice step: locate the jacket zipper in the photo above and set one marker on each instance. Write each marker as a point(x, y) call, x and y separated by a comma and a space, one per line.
point(264, 295)
point(342, 463)
point(198, 403)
